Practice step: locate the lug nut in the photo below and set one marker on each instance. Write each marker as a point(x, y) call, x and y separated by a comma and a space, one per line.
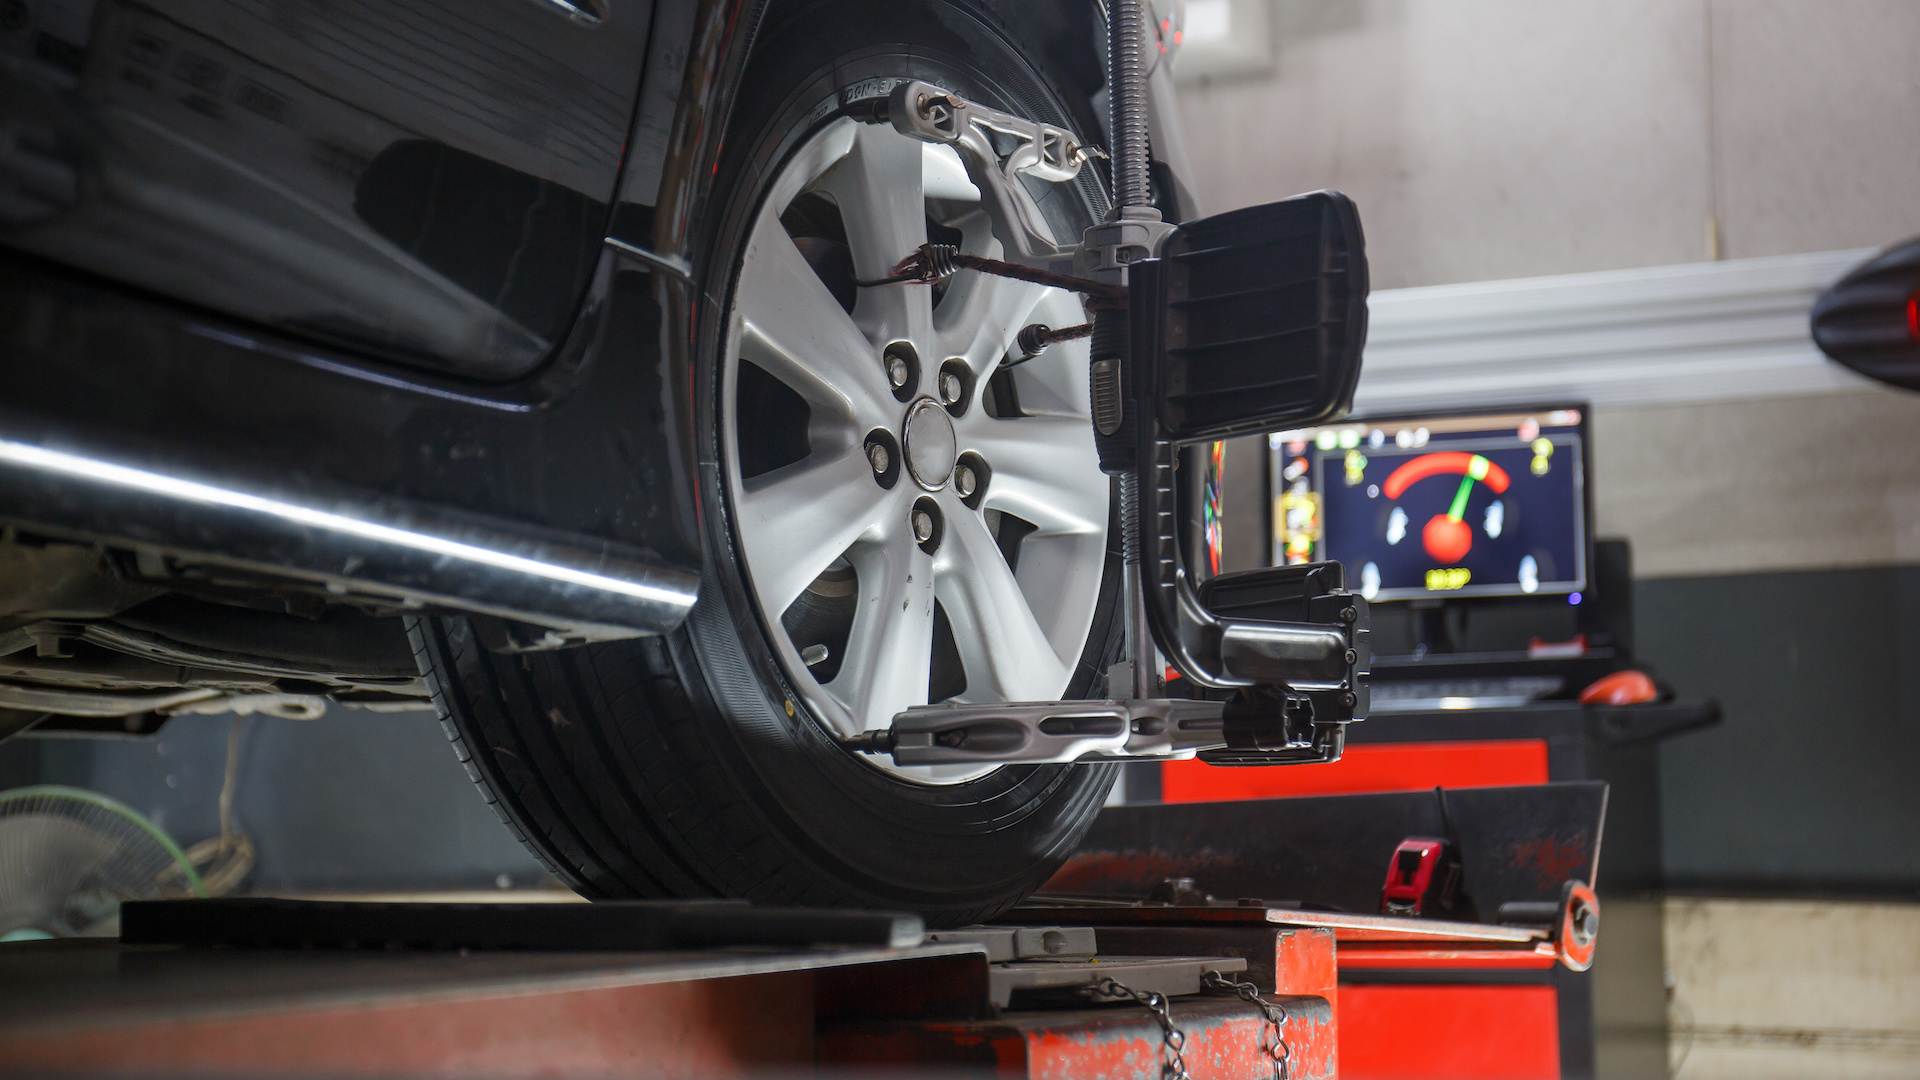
point(964, 481)
point(878, 457)
point(950, 388)
point(922, 526)
point(897, 371)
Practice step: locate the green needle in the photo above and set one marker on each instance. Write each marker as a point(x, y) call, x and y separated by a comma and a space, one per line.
point(1459, 508)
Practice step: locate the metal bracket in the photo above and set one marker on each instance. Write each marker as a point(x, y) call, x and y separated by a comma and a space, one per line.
point(1098, 979)
point(1303, 680)
point(1006, 944)
point(1035, 732)
point(1266, 725)
point(1043, 151)
point(1299, 677)
point(1132, 234)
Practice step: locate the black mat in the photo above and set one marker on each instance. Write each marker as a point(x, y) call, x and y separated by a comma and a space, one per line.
point(617, 925)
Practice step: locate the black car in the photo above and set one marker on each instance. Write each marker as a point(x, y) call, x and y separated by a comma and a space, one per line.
point(547, 363)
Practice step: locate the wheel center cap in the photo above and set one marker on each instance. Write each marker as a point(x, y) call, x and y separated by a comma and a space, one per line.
point(930, 445)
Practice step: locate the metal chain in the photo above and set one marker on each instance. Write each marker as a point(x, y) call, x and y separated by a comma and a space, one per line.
point(1275, 1013)
point(1173, 1064)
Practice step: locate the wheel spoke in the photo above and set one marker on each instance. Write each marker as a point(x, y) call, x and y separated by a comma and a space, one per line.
point(879, 189)
point(1005, 652)
point(794, 328)
point(980, 316)
point(1044, 470)
point(890, 648)
point(797, 519)
point(1060, 589)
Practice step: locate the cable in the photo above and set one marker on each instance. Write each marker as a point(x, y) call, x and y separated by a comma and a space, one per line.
point(229, 857)
point(934, 262)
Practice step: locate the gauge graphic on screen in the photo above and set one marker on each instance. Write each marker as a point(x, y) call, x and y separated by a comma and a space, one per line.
point(1447, 537)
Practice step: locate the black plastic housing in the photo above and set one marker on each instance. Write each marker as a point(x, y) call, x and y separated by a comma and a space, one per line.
point(1246, 322)
point(1273, 725)
point(1252, 320)
point(1298, 593)
point(1870, 320)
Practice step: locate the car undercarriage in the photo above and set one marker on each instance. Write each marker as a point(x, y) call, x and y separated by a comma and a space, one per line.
point(112, 639)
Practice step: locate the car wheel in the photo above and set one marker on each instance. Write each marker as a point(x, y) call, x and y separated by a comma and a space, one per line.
point(893, 516)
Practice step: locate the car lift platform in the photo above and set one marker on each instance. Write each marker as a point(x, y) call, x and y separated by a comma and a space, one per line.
point(1092, 980)
point(231, 1000)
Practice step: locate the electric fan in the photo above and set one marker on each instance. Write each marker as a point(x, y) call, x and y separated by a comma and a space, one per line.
point(68, 856)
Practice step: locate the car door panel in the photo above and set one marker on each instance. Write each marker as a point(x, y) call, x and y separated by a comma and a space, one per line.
point(426, 180)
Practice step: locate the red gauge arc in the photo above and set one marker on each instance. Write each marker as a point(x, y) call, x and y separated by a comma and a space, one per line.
point(1447, 537)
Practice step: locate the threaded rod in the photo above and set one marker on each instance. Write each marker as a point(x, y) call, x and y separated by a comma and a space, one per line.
point(1126, 96)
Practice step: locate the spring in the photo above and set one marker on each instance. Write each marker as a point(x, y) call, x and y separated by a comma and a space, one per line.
point(936, 261)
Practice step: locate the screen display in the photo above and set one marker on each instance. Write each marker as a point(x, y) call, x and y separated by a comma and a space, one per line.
point(1486, 505)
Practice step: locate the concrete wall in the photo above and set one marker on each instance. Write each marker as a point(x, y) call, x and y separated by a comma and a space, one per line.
point(1489, 139)
point(1777, 484)
point(1766, 989)
point(1805, 788)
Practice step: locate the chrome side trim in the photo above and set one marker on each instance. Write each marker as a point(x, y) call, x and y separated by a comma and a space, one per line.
point(418, 557)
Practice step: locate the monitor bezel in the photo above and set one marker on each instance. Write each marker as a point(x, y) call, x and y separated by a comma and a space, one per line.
point(1583, 543)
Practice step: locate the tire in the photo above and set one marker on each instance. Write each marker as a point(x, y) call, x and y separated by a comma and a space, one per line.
point(705, 762)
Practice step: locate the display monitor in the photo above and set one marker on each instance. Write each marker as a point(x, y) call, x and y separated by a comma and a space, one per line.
point(1487, 504)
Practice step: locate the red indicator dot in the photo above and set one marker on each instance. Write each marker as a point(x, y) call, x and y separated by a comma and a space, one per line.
point(1913, 316)
point(1447, 539)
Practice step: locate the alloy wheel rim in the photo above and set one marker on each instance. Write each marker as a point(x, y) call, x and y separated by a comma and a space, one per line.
point(987, 550)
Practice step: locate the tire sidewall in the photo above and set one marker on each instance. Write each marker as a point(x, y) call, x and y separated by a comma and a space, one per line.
point(978, 844)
